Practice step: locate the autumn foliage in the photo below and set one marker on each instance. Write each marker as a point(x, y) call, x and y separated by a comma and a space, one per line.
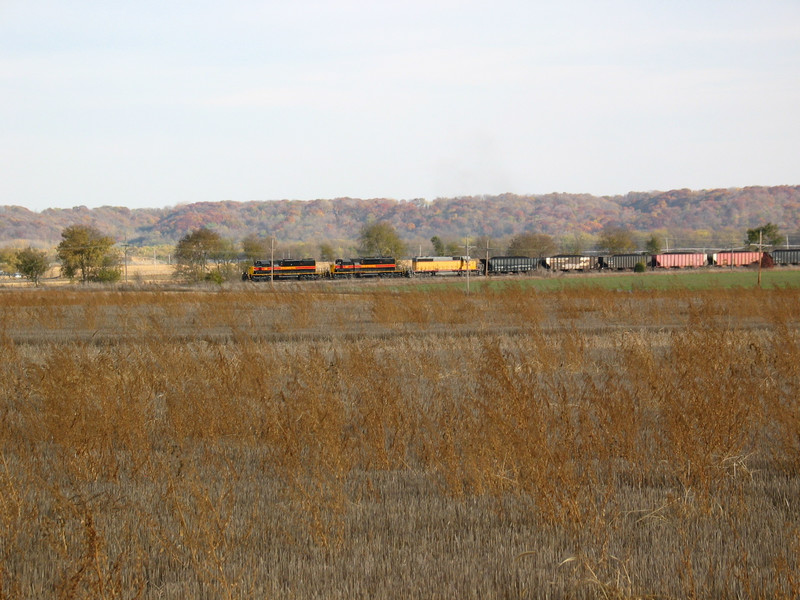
point(501, 216)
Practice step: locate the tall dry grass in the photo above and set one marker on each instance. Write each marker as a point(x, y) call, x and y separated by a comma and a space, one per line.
point(391, 442)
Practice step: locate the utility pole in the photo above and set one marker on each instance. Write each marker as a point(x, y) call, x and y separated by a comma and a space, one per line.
point(272, 261)
point(466, 248)
point(760, 257)
point(486, 264)
point(125, 245)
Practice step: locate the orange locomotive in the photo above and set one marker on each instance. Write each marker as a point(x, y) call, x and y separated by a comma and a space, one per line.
point(286, 268)
point(379, 266)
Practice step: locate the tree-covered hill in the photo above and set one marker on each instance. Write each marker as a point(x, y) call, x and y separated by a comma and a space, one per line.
point(499, 216)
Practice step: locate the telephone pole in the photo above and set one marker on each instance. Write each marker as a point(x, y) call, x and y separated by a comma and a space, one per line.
point(125, 246)
point(486, 264)
point(466, 248)
point(760, 256)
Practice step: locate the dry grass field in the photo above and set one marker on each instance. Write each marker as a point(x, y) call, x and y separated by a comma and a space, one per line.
point(394, 442)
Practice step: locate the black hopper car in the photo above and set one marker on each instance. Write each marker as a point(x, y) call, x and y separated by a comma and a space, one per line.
point(501, 265)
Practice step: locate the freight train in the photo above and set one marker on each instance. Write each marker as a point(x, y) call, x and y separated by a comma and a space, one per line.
point(382, 266)
point(362, 267)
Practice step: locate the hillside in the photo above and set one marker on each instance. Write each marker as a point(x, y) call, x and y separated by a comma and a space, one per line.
point(500, 216)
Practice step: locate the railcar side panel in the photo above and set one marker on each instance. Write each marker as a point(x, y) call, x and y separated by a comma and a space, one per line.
point(680, 260)
point(444, 265)
point(786, 256)
point(735, 258)
point(382, 266)
point(571, 262)
point(510, 264)
point(264, 270)
point(623, 261)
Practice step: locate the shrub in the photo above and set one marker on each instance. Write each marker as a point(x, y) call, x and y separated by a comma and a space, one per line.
point(214, 277)
point(106, 275)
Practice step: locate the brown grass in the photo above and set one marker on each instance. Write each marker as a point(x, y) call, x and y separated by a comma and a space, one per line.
point(315, 441)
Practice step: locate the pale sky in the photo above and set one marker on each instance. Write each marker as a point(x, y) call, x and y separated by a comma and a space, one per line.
point(156, 103)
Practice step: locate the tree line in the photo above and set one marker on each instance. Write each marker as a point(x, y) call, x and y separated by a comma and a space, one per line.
point(87, 255)
point(499, 216)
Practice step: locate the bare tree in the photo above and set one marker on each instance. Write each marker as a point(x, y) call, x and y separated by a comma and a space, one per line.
point(193, 252)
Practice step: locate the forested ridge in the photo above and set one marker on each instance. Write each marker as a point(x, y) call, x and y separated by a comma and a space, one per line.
point(501, 216)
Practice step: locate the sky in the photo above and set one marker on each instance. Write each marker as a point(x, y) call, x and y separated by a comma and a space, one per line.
point(158, 103)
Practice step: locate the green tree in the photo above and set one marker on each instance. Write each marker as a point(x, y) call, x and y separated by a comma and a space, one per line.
point(616, 240)
point(85, 251)
point(653, 245)
point(438, 246)
point(770, 235)
point(534, 245)
point(194, 251)
point(380, 239)
point(32, 263)
point(109, 270)
point(326, 252)
point(8, 257)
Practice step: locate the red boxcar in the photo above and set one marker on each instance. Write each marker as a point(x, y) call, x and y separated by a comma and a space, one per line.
point(680, 260)
point(735, 259)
